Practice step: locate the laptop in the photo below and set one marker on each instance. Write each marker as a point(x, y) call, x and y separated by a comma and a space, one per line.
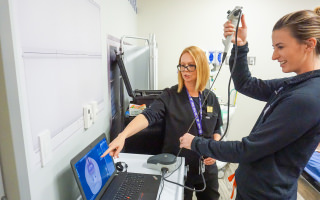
point(98, 178)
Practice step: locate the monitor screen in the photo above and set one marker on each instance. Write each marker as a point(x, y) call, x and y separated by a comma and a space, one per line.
point(93, 171)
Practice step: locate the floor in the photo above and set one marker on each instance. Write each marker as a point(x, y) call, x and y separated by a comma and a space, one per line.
point(305, 190)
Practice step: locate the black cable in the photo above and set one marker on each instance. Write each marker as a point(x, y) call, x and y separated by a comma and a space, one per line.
point(186, 187)
point(175, 168)
point(162, 183)
point(228, 113)
point(232, 70)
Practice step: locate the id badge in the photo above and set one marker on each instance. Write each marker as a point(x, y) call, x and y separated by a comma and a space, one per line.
point(202, 166)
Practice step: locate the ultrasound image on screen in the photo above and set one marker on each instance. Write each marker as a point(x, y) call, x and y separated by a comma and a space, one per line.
point(94, 171)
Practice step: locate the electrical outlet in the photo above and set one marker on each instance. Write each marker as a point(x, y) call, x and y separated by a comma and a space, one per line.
point(87, 116)
point(252, 60)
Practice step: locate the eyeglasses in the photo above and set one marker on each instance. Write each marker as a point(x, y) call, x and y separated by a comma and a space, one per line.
point(183, 68)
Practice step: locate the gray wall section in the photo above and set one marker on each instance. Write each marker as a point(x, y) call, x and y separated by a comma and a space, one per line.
point(6, 146)
point(12, 153)
point(2, 194)
point(136, 60)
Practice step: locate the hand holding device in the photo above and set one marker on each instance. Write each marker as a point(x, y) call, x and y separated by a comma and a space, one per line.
point(229, 30)
point(233, 17)
point(186, 140)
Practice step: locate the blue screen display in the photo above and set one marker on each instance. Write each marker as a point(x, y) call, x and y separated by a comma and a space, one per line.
point(93, 171)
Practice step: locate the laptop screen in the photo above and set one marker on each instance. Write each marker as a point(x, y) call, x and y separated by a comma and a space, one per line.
point(93, 172)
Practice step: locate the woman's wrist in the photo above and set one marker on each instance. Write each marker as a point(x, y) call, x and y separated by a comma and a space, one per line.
point(123, 135)
point(243, 43)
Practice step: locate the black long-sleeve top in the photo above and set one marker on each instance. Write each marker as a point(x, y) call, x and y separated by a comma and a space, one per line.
point(282, 140)
point(175, 109)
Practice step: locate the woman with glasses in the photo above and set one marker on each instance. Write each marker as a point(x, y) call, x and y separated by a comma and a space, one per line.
point(274, 154)
point(178, 106)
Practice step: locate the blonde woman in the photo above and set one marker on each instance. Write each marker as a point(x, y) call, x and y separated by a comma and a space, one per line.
point(178, 106)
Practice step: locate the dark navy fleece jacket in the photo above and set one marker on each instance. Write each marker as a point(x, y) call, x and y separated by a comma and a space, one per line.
point(281, 142)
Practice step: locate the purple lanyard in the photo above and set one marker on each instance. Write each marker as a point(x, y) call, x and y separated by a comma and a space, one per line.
point(195, 113)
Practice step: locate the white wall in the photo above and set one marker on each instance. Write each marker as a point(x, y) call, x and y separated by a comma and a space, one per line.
point(181, 23)
point(55, 181)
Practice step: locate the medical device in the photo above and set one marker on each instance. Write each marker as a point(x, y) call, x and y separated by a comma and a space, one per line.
point(234, 17)
point(164, 160)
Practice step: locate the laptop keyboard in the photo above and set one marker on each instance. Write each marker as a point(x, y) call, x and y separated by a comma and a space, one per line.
point(130, 187)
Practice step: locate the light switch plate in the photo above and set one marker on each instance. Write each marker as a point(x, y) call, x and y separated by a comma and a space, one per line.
point(251, 60)
point(87, 116)
point(45, 147)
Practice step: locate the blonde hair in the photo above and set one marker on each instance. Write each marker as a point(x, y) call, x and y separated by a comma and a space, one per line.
point(202, 67)
point(303, 24)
